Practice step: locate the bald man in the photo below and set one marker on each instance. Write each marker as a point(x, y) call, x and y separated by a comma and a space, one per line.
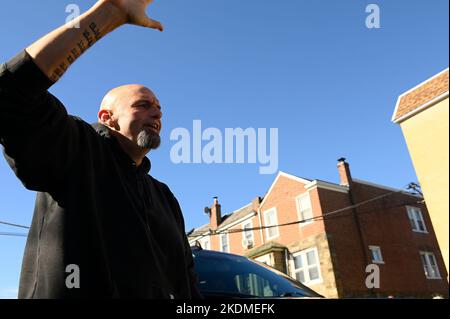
point(102, 226)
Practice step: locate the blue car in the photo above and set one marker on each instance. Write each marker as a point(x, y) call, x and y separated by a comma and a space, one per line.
point(223, 275)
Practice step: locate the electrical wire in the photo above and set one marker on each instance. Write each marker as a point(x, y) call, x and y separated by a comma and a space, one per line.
point(321, 217)
point(13, 234)
point(14, 225)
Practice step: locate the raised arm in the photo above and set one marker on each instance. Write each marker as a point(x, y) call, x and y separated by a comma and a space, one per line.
point(55, 52)
point(41, 141)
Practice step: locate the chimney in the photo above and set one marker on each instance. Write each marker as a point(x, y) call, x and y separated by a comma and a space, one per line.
point(255, 204)
point(344, 172)
point(215, 217)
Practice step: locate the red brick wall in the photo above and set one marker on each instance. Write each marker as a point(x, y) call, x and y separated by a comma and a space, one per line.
point(236, 238)
point(384, 223)
point(283, 197)
point(345, 245)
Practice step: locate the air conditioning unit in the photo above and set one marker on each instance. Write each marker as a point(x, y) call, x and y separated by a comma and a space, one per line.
point(247, 243)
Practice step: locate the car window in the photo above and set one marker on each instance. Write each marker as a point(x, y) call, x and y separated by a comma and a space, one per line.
point(232, 275)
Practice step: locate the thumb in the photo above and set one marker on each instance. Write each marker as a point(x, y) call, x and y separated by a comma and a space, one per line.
point(153, 24)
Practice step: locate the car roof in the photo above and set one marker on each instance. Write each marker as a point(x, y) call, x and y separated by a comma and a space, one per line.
point(202, 251)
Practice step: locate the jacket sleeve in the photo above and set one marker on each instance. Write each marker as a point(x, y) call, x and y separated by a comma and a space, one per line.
point(38, 136)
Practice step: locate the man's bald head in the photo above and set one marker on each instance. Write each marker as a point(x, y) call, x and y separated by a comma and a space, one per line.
point(121, 96)
point(132, 111)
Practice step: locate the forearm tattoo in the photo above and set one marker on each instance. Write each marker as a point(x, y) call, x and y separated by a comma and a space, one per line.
point(89, 37)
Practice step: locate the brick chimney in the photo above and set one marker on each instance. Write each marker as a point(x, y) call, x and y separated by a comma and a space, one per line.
point(255, 204)
point(215, 218)
point(344, 172)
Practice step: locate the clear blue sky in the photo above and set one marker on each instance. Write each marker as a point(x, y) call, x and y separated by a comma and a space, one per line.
point(309, 68)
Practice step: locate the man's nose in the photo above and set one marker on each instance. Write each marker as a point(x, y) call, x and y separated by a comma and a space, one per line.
point(156, 113)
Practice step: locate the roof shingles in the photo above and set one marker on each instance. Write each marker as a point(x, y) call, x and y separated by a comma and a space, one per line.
point(421, 95)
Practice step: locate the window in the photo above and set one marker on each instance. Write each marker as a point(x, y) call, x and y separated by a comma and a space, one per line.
point(429, 265)
point(416, 219)
point(247, 235)
point(307, 267)
point(224, 243)
point(377, 258)
point(304, 208)
point(270, 219)
point(205, 244)
point(266, 259)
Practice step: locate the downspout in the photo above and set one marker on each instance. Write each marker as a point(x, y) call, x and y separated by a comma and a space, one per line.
point(260, 226)
point(346, 179)
point(360, 232)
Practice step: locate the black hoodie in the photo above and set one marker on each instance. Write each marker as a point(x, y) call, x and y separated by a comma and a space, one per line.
point(99, 220)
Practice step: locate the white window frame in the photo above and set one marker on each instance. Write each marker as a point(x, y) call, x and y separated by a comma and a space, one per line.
point(266, 259)
point(411, 215)
point(299, 211)
point(306, 267)
point(221, 242)
point(267, 212)
point(429, 254)
point(244, 237)
point(378, 250)
point(206, 244)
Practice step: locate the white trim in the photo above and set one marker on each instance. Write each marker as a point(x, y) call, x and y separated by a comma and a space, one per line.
point(236, 210)
point(408, 211)
point(360, 181)
point(260, 228)
point(204, 241)
point(414, 88)
point(274, 209)
point(243, 233)
point(377, 248)
point(266, 259)
point(421, 108)
point(303, 253)
point(299, 215)
point(427, 253)
point(375, 185)
point(238, 221)
point(280, 173)
point(199, 237)
point(325, 185)
point(228, 242)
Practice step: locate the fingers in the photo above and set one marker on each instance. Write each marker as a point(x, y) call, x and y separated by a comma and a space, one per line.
point(150, 23)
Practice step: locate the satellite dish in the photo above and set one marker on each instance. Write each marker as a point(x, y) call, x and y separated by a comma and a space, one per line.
point(207, 210)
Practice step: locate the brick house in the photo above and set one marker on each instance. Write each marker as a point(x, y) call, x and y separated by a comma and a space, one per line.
point(346, 227)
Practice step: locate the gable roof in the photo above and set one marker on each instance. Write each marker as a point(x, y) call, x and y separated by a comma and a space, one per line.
point(227, 220)
point(421, 97)
point(283, 174)
point(236, 215)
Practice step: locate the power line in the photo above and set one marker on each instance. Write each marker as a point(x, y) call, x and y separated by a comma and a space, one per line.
point(230, 231)
point(14, 225)
point(13, 234)
point(323, 216)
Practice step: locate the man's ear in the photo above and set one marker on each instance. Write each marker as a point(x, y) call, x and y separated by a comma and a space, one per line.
point(106, 117)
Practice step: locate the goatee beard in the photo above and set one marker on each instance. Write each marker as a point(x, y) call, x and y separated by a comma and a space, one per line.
point(148, 139)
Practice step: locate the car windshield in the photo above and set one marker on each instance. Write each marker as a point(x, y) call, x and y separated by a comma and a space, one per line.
point(236, 276)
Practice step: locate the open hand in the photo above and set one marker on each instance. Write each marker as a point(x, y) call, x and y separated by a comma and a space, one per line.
point(134, 12)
